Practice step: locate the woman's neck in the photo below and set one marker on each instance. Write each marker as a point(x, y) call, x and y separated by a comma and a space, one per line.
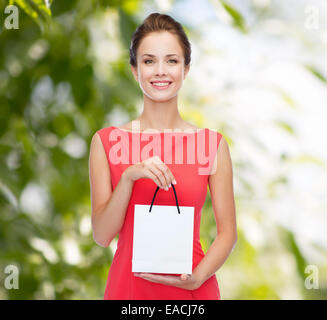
point(160, 117)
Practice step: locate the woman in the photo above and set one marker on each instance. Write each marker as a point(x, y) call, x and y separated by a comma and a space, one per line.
point(160, 60)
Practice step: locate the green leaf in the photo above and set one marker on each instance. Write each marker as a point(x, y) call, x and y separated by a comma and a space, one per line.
point(287, 127)
point(238, 19)
point(315, 72)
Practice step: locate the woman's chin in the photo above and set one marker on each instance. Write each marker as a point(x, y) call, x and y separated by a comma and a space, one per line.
point(160, 98)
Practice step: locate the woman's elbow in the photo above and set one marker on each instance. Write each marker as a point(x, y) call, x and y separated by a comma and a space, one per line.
point(101, 242)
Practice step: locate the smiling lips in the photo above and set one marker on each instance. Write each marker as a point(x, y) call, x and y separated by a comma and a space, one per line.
point(160, 85)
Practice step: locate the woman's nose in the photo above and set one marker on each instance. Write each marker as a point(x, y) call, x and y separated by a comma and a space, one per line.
point(161, 68)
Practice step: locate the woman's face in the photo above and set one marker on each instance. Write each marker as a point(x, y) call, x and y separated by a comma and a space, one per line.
point(160, 58)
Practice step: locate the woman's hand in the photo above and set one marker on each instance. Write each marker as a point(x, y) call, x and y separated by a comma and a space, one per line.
point(152, 168)
point(184, 281)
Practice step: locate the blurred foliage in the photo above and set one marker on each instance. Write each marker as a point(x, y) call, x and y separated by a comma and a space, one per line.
point(39, 10)
point(54, 94)
point(316, 73)
point(238, 20)
point(49, 91)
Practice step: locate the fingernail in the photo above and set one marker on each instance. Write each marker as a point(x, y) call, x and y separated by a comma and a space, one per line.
point(169, 185)
point(174, 181)
point(166, 188)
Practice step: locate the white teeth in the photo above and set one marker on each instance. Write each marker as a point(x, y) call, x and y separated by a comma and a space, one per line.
point(161, 84)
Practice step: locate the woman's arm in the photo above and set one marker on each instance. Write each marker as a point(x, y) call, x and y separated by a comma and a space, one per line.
point(108, 207)
point(222, 195)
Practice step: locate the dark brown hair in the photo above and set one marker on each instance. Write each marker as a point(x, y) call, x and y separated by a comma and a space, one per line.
point(157, 22)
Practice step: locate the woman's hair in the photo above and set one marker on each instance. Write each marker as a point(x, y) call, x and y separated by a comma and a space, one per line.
point(157, 22)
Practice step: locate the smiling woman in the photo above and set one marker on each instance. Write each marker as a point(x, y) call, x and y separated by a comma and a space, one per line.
point(160, 56)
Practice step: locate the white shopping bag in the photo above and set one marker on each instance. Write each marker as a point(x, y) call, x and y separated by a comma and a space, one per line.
point(163, 238)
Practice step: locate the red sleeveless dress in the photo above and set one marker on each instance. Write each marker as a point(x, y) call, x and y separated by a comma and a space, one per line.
point(189, 156)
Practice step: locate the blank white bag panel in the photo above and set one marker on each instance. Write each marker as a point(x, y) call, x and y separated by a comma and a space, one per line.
point(163, 239)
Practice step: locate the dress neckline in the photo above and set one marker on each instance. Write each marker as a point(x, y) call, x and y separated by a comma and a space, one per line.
point(170, 131)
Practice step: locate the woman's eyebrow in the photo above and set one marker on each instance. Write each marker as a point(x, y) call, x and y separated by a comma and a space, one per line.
point(151, 55)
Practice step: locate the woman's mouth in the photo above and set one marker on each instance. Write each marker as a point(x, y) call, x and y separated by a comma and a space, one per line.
point(161, 85)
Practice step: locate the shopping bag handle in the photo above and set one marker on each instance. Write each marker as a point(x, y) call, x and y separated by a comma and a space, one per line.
point(175, 198)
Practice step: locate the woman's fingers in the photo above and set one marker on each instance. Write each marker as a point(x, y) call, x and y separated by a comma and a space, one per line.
point(164, 177)
point(158, 174)
point(165, 174)
point(185, 276)
point(152, 176)
point(159, 165)
point(165, 171)
point(149, 166)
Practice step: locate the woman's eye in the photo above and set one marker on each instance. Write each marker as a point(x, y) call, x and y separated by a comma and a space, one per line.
point(148, 61)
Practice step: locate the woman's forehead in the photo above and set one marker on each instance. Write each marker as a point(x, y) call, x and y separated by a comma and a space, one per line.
point(162, 39)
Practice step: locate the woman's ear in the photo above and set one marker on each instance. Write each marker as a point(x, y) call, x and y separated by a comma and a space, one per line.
point(134, 71)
